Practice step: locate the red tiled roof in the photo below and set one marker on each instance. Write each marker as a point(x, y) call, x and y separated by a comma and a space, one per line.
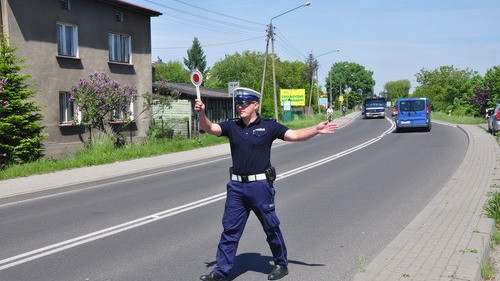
point(133, 7)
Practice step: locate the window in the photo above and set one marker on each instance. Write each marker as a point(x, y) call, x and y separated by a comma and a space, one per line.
point(119, 16)
point(120, 115)
point(67, 109)
point(119, 48)
point(67, 40)
point(416, 105)
point(65, 4)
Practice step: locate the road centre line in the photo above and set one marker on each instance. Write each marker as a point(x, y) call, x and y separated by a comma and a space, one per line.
point(64, 245)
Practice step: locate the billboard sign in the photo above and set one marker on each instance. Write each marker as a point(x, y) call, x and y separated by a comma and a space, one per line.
point(297, 97)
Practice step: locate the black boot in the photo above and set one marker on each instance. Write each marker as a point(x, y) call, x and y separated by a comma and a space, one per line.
point(212, 277)
point(279, 271)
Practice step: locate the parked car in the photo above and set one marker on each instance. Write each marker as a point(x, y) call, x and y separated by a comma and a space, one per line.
point(494, 120)
point(413, 113)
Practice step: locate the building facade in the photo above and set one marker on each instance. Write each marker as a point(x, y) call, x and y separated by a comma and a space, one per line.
point(63, 41)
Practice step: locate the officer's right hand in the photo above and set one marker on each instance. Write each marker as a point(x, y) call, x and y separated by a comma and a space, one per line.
point(199, 105)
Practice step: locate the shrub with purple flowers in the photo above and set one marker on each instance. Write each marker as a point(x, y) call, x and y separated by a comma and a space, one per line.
point(99, 96)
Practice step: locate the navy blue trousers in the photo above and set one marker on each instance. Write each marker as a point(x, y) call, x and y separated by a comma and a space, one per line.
point(241, 199)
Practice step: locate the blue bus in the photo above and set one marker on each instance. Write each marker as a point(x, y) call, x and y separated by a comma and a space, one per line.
point(374, 107)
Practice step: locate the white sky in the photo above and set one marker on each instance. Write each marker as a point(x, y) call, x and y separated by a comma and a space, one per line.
point(393, 38)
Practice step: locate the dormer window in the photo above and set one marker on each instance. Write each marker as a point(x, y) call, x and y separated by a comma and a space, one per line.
point(65, 4)
point(119, 16)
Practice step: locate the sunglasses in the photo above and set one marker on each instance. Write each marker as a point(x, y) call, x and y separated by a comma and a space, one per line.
point(244, 102)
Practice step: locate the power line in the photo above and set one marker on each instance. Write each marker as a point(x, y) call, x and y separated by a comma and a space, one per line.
point(232, 24)
point(204, 25)
point(211, 45)
point(217, 13)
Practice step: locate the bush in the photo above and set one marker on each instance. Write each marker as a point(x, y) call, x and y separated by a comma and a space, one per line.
point(160, 132)
point(492, 207)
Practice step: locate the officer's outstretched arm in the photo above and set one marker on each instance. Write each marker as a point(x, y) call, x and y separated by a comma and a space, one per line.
point(304, 134)
point(205, 123)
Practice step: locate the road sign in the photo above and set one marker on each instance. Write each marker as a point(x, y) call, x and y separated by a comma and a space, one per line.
point(230, 90)
point(196, 79)
point(231, 86)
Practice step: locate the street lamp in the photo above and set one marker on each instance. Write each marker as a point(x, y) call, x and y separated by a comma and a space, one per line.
point(270, 36)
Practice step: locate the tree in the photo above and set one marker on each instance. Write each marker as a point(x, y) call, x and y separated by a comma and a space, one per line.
point(344, 75)
point(480, 100)
point(247, 69)
point(196, 59)
point(99, 96)
point(172, 71)
point(20, 119)
point(394, 90)
point(448, 88)
point(487, 93)
point(492, 84)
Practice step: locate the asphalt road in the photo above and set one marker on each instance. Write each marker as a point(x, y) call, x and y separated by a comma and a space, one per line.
point(340, 198)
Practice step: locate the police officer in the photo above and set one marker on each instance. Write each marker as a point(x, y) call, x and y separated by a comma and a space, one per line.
point(250, 186)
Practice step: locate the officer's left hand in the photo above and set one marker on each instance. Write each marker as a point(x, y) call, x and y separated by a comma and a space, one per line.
point(326, 128)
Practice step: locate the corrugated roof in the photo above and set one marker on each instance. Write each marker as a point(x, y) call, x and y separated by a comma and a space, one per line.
point(134, 7)
point(190, 90)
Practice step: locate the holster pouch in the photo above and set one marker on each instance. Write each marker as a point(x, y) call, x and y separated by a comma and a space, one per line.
point(270, 175)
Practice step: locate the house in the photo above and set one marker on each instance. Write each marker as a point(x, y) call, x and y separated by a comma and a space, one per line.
point(63, 41)
point(218, 102)
point(181, 117)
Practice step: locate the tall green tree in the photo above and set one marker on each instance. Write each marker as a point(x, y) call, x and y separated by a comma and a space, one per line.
point(397, 89)
point(492, 84)
point(247, 68)
point(20, 118)
point(449, 88)
point(345, 75)
point(487, 94)
point(196, 58)
point(171, 71)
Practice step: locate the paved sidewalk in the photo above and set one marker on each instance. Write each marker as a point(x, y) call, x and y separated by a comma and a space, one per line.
point(450, 239)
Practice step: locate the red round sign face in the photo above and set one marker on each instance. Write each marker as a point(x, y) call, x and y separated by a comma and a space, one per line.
point(196, 78)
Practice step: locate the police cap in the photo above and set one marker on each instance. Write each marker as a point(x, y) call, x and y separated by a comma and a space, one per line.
point(246, 93)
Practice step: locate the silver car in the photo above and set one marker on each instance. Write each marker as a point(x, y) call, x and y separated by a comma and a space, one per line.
point(494, 120)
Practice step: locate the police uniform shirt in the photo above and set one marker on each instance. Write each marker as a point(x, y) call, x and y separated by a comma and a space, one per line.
point(251, 145)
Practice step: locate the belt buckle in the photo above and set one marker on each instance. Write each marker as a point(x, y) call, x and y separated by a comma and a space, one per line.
point(244, 178)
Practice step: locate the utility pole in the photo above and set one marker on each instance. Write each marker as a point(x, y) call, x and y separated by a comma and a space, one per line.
point(269, 35)
point(276, 116)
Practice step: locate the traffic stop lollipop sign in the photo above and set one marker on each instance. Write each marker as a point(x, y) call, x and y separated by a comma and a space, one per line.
point(196, 79)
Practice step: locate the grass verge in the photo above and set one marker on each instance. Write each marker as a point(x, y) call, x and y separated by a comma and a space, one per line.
point(457, 119)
